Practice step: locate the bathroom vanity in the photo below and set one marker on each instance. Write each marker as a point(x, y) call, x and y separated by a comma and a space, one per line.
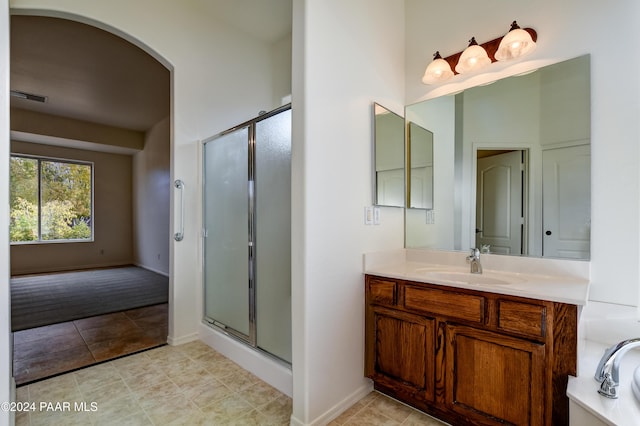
point(488, 349)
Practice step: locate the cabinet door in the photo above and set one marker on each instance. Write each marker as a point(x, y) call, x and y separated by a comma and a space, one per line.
point(493, 379)
point(401, 353)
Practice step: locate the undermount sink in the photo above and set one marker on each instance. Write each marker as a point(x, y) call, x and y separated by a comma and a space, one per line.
point(461, 277)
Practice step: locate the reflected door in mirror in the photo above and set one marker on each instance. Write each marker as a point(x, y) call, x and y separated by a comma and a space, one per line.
point(567, 202)
point(500, 211)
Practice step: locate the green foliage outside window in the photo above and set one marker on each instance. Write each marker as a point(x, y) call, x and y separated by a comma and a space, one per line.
point(24, 221)
point(55, 195)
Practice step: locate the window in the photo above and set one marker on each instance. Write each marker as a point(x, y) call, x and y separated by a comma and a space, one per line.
point(51, 200)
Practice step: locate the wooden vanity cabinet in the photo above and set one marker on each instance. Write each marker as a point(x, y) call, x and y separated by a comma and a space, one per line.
point(470, 357)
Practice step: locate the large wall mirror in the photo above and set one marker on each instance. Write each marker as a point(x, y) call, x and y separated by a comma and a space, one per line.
point(512, 166)
point(389, 160)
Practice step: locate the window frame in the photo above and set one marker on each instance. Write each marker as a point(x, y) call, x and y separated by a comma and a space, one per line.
point(40, 159)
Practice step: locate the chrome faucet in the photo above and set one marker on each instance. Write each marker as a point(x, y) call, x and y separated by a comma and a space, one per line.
point(608, 371)
point(474, 261)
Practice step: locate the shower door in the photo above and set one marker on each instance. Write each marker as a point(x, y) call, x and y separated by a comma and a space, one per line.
point(247, 220)
point(226, 233)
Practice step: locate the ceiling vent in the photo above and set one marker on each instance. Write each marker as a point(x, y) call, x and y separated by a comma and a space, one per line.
point(28, 96)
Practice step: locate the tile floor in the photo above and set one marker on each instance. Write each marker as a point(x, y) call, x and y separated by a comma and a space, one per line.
point(377, 409)
point(46, 351)
point(189, 384)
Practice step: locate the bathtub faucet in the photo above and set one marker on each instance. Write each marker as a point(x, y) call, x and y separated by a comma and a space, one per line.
point(608, 371)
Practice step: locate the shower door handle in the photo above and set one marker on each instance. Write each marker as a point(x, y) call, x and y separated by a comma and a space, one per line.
point(179, 236)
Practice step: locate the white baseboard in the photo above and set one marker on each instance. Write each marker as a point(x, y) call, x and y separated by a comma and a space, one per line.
point(148, 268)
point(275, 373)
point(339, 408)
point(88, 266)
point(295, 422)
point(69, 268)
point(181, 340)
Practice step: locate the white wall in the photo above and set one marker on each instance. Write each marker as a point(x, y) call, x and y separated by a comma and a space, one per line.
point(606, 30)
point(346, 54)
point(6, 381)
point(281, 63)
point(151, 196)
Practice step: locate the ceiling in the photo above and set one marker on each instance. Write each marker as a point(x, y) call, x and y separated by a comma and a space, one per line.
point(267, 20)
point(86, 74)
point(89, 74)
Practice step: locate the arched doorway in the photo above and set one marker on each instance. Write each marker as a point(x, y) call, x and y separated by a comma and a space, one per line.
point(106, 103)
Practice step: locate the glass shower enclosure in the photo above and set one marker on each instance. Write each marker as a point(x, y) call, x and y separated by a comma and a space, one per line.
point(247, 232)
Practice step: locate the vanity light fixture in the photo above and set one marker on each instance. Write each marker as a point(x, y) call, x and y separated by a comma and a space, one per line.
point(473, 58)
point(438, 70)
point(516, 43)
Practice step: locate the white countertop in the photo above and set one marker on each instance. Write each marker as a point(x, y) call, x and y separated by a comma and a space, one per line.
point(532, 278)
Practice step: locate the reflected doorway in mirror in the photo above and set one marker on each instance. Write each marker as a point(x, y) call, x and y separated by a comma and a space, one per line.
point(501, 194)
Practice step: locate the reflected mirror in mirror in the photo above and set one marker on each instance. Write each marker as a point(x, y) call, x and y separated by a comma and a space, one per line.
point(512, 166)
point(420, 183)
point(388, 153)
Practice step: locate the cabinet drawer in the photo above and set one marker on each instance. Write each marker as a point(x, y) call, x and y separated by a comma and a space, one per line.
point(522, 318)
point(382, 292)
point(453, 305)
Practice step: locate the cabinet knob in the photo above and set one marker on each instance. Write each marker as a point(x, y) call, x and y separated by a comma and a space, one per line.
point(548, 233)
